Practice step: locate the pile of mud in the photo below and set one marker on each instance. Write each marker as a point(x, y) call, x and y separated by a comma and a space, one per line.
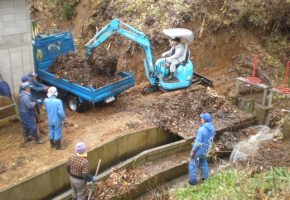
point(101, 69)
point(179, 112)
point(118, 183)
point(271, 154)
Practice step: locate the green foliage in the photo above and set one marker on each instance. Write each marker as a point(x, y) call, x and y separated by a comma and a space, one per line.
point(34, 27)
point(238, 185)
point(67, 11)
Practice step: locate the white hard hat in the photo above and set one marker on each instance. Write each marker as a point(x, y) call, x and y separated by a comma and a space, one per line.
point(52, 91)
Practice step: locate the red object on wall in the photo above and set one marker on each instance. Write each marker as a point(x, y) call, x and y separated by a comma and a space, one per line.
point(253, 78)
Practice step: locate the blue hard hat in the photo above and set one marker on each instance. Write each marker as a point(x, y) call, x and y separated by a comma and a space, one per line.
point(206, 117)
point(24, 78)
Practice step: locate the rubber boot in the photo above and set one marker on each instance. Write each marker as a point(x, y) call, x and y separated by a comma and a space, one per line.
point(37, 140)
point(52, 144)
point(26, 140)
point(170, 78)
point(58, 145)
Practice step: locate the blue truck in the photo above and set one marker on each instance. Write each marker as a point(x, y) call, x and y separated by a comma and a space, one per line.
point(46, 48)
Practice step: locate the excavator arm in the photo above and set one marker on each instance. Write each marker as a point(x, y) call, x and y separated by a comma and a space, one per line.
point(116, 26)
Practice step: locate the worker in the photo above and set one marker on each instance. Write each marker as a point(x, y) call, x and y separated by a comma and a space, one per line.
point(26, 107)
point(200, 149)
point(24, 79)
point(78, 168)
point(174, 56)
point(37, 87)
point(55, 116)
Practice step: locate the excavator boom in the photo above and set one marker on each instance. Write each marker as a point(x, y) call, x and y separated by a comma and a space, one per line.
point(116, 26)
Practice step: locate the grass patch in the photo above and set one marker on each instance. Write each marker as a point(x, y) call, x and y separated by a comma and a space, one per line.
point(67, 11)
point(238, 185)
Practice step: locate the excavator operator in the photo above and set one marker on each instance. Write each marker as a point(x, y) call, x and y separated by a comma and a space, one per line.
point(174, 56)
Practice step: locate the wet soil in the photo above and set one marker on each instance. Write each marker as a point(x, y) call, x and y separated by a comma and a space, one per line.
point(271, 154)
point(100, 70)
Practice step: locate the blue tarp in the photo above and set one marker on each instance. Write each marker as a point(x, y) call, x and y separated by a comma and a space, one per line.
point(4, 89)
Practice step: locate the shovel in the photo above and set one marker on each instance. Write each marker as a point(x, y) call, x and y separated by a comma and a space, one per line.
point(39, 123)
point(92, 184)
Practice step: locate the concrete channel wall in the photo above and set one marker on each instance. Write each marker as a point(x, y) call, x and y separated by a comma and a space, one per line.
point(56, 180)
point(16, 56)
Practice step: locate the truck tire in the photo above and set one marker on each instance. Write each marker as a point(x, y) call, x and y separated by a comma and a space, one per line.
point(74, 103)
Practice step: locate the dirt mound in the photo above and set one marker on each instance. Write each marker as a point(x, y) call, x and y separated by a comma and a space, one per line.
point(179, 113)
point(119, 182)
point(103, 62)
point(272, 154)
point(75, 69)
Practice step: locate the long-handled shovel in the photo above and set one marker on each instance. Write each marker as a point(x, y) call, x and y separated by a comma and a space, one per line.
point(92, 184)
point(38, 122)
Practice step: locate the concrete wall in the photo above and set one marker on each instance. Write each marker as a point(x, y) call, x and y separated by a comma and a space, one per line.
point(15, 42)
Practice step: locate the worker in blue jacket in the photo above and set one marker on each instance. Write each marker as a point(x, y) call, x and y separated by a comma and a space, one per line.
point(26, 112)
point(37, 87)
point(200, 148)
point(24, 79)
point(55, 116)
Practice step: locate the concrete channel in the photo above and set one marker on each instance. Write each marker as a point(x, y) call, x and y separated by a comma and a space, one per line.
point(133, 149)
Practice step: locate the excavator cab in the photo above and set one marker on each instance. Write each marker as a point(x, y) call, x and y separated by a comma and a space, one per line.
point(184, 71)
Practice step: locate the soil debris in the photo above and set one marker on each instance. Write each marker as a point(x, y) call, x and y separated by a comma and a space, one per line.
point(103, 62)
point(119, 182)
point(274, 153)
point(180, 114)
point(75, 69)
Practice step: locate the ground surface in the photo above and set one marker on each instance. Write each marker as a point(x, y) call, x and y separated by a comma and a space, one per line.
point(131, 112)
point(93, 127)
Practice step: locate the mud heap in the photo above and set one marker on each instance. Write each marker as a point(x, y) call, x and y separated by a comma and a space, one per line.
point(103, 62)
point(100, 71)
point(119, 182)
point(179, 111)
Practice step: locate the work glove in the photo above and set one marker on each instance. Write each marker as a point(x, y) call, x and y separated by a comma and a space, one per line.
point(94, 179)
point(191, 154)
point(46, 89)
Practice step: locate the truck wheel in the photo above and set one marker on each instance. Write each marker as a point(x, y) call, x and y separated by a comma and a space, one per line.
point(74, 103)
point(62, 94)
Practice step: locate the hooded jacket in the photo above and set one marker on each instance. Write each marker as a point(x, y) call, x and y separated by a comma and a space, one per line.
point(204, 138)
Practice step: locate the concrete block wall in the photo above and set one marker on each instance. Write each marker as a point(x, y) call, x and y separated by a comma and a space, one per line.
point(16, 56)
